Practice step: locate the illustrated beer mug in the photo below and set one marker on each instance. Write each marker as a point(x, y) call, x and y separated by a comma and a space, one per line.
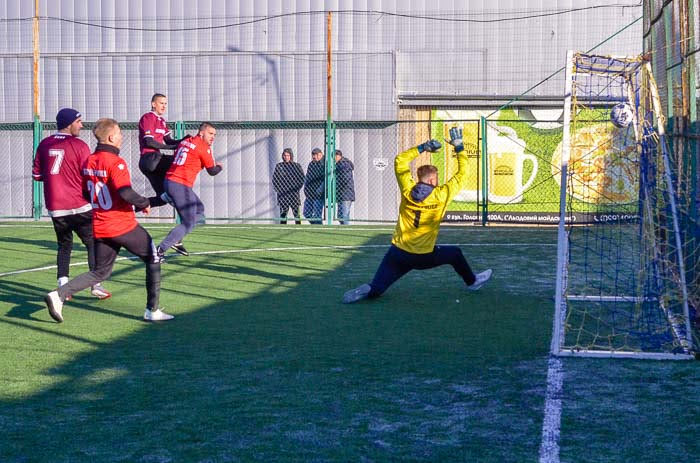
point(506, 176)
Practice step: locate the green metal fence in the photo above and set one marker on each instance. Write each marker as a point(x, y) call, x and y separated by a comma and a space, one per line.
point(513, 169)
point(511, 176)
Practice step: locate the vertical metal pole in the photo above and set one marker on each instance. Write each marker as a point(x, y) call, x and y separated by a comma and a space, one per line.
point(484, 175)
point(179, 129)
point(656, 101)
point(562, 240)
point(35, 61)
point(38, 190)
point(330, 172)
point(329, 65)
point(690, 63)
point(692, 147)
point(330, 128)
point(667, 48)
point(38, 187)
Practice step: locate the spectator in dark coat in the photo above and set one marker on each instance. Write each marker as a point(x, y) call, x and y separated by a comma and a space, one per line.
point(344, 186)
point(287, 179)
point(315, 187)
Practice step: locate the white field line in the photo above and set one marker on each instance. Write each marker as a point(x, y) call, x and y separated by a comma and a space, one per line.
point(292, 248)
point(549, 446)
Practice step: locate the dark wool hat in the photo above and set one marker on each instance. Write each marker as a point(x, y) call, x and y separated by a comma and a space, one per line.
point(316, 150)
point(66, 117)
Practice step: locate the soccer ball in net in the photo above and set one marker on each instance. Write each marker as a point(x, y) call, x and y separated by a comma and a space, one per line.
point(621, 115)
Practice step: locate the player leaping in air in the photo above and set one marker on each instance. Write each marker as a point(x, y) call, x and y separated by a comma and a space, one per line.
point(154, 137)
point(420, 213)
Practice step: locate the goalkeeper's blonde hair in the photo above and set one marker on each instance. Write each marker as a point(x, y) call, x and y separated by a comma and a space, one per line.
point(425, 172)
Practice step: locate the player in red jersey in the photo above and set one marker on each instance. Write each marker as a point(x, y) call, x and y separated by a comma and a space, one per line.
point(107, 183)
point(193, 155)
point(57, 164)
point(154, 136)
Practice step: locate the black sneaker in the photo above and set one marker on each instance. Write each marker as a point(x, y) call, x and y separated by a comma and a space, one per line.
point(180, 249)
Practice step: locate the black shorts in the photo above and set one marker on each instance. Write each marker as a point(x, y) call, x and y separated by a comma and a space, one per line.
point(154, 166)
point(81, 224)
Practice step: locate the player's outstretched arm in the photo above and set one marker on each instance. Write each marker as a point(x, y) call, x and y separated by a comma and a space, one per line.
point(456, 139)
point(130, 196)
point(173, 141)
point(431, 146)
point(151, 143)
point(402, 163)
point(447, 191)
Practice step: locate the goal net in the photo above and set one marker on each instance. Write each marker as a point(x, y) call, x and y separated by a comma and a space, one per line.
point(621, 287)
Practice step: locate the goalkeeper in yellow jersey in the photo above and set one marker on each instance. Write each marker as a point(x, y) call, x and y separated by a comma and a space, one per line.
point(422, 208)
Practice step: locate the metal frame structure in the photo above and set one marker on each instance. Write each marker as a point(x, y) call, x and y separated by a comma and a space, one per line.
point(561, 296)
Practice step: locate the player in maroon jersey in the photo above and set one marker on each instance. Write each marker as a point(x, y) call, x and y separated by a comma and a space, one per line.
point(107, 183)
point(193, 155)
point(57, 164)
point(154, 136)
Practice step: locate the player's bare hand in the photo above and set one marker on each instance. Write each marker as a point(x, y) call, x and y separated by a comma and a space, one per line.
point(146, 210)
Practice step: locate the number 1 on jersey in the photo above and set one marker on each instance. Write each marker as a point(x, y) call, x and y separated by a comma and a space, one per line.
point(416, 219)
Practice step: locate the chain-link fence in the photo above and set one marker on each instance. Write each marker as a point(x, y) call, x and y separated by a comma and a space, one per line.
point(512, 172)
point(671, 42)
point(16, 184)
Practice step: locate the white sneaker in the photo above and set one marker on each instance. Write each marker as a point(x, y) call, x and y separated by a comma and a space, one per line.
point(481, 279)
point(156, 316)
point(55, 305)
point(99, 292)
point(356, 294)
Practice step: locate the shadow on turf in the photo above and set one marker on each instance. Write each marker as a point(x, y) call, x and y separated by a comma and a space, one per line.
point(23, 298)
point(27, 300)
point(14, 241)
point(285, 372)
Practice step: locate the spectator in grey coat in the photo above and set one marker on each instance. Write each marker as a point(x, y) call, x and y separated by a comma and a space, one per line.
point(287, 179)
point(315, 187)
point(344, 186)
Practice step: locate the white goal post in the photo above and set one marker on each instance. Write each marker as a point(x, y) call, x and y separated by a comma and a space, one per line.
point(620, 283)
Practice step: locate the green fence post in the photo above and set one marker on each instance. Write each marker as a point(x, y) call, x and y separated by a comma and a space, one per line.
point(38, 190)
point(484, 173)
point(330, 171)
point(179, 129)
